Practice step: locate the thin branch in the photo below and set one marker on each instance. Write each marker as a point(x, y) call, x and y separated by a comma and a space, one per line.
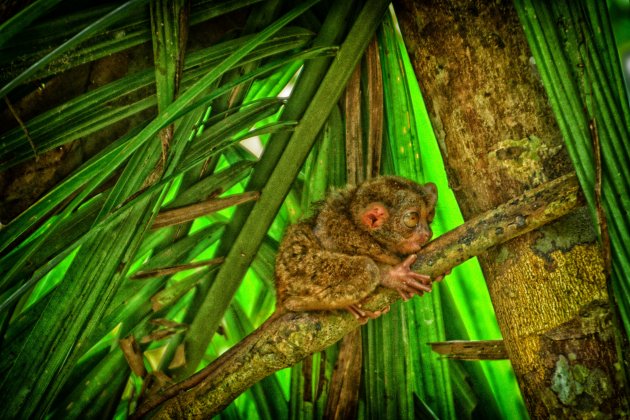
point(191, 212)
point(166, 271)
point(354, 136)
point(133, 355)
point(376, 112)
point(471, 350)
point(22, 125)
point(288, 338)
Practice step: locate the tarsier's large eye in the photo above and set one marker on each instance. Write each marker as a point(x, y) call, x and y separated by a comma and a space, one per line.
point(411, 219)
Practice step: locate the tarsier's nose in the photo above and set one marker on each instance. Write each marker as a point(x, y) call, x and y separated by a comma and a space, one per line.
point(424, 236)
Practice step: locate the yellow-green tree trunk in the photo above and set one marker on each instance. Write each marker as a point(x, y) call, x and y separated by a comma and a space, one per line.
point(498, 138)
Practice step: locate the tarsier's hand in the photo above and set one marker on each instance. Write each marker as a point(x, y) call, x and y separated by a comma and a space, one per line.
point(363, 315)
point(405, 281)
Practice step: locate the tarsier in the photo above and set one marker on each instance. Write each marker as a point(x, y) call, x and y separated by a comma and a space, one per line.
point(361, 237)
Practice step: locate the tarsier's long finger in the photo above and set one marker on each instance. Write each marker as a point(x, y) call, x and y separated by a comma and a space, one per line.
point(422, 277)
point(404, 295)
point(409, 293)
point(355, 311)
point(358, 314)
point(375, 314)
point(363, 314)
point(409, 260)
point(416, 285)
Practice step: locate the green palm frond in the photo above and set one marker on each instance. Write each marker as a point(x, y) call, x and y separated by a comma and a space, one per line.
point(74, 263)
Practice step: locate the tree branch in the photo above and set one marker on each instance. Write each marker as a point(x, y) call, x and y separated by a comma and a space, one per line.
point(471, 350)
point(286, 339)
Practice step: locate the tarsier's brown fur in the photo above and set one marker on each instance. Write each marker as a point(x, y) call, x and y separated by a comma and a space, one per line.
point(357, 241)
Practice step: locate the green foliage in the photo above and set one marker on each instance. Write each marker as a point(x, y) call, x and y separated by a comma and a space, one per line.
point(98, 271)
point(66, 292)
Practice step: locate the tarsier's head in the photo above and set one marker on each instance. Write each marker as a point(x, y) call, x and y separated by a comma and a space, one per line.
point(396, 212)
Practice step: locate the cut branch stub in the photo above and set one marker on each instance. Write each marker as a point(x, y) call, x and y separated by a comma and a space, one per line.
point(471, 350)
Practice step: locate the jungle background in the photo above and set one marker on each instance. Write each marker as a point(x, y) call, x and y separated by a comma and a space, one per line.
point(153, 152)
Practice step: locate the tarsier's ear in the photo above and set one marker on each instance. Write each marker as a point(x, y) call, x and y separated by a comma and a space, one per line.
point(374, 215)
point(431, 189)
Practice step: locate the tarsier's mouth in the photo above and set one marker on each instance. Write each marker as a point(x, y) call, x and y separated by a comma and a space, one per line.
point(411, 246)
point(415, 242)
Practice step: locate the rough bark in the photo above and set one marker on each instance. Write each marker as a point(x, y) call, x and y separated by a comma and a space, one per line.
point(286, 339)
point(498, 137)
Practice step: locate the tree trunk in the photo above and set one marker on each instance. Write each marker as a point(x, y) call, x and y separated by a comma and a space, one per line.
point(498, 138)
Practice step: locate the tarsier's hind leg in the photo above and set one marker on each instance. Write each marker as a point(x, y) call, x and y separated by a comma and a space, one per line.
point(311, 278)
point(358, 277)
point(353, 280)
point(311, 303)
